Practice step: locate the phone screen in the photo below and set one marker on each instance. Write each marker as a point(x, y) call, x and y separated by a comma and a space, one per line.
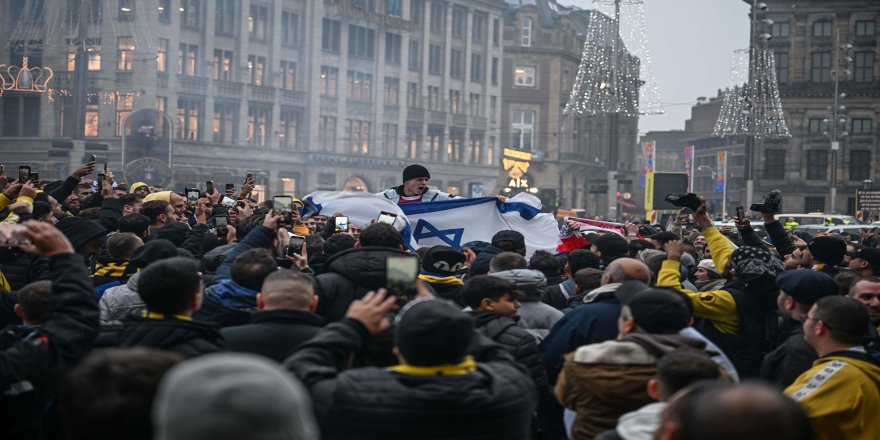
point(342, 223)
point(249, 178)
point(296, 244)
point(227, 202)
point(23, 173)
point(220, 223)
point(34, 176)
point(386, 217)
point(230, 187)
point(93, 158)
point(740, 212)
point(209, 187)
point(400, 276)
point(192, 196)
point(281, 204)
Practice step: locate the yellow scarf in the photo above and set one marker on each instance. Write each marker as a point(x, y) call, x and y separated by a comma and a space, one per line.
point(468, 365)
point(441, 280)
point(4, 284)
point(112, 270)
point(160, 316)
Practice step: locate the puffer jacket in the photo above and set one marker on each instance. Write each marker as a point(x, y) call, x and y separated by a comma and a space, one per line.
point(430, 195)
point(535, 316)
point(21, 269)
point(188, 338)
point(493, 402)
point(227, 304)
point(604, 381)
point(349, 275)
point(120, 301)
point(519, 342)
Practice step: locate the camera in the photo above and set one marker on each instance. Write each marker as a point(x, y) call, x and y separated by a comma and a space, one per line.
point(689, 200)
point(771, 203)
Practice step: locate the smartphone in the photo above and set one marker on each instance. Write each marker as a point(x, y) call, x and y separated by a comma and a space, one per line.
point(101, 178)
point(227, 202)
point(34, 176)
point(740, 213)
point(220, 225)
point(400, 277)
point(12, 235)
point(192, 196)
point(93, 158)
point(23, 173)
point(230, 188)
point(342, 223)
point(295, 246)
point(105, 167)
point(282, 205)
point(386, 217)
point(2, 169)
point(249, 178)
point(209, 187)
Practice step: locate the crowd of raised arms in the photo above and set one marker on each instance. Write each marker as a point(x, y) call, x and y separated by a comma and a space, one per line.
point(133, 312)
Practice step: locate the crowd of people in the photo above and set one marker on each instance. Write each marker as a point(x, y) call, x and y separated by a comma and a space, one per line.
point(132, 312)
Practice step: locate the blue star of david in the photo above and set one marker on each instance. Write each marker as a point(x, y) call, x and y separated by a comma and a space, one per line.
point(444, 235)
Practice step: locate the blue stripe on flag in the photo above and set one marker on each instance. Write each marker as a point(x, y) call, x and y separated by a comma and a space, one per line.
point(525, 211)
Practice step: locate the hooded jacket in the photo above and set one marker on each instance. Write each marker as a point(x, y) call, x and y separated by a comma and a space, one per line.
point(227, 304)
point(841, 395)
point(80, 230)
point(518, 341)
point(186, 337)
point(535, 316)
point(430, 195)
point(601, 382)
point(349, 275)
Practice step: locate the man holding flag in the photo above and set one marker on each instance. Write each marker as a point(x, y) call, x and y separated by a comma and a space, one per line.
point(414, 188)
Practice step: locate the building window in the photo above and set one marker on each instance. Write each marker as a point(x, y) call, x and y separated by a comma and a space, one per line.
point(522, 129)
point(821, 68)
point(490, 151)
point(822, 28)
point(817, 165)
point(456, 63)
point(257, 70)
point(459, 22)
point(190, 13)
point(524, 76)
point(435, 138)
point(161, 104)
point(327, 133)
point(391, 91)
point(223, 65)
point(782, 67)
point(359, 86)
point(496, 32)
point(162, 55)
point(859, 164)
point(864, 67)
point(862, 126)
point(438, 17)
point(329, 80)
point(224, 17)
point(72, 49)
point(124, 104)
point(817, 126)
point(475, 104)
point(435, 59)
point(164, 10)
point(455, 146)
point(188, 56)
point(361, 42)
point(493, 108)
point(225, 122)
point(779, 29)
point(478, 28)
point(287, 131)
point(494, 73)
point(865, 28)
point(188, 117)
point(288, 75)
point(289, 28)
point(92, 116)
point(774, 164)
point(814, 204)
point(415, 61)
point(258, 22)
point(454, 101)
point(476, 68)
point(475, 149)
point(358, 134)
point(93, 51)
point(413, 138)
point(415, 13)
point(258, 125)
point(412, 95)
point(526, 36)
point(392, 48)
point(330, 34)
point(393, 8)
point(434, 98)
point(389, 140)
point(125, 53)
point(21, 116)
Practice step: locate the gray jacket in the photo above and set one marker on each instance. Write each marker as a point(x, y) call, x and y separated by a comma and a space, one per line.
point(431, 195)
point(120, 301)
point(538, 318)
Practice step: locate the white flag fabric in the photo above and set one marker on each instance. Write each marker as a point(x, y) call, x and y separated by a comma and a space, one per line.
point(360, 207)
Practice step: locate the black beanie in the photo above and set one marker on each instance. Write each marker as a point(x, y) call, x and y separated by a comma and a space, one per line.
point(827, 249)
point(443, 260)
point(433, 332)
point(415, 171)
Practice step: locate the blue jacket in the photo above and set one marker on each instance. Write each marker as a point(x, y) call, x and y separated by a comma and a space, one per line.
point(259, 237)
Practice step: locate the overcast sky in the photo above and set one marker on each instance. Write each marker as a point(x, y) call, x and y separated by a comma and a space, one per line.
point(691, 44)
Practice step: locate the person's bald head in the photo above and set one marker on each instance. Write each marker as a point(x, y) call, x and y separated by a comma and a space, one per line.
point(626, 269)
point(285, 289)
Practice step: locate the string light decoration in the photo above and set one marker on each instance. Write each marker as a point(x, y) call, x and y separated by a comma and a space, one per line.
point(24, 78)
point(615, 74)
point(752, 108)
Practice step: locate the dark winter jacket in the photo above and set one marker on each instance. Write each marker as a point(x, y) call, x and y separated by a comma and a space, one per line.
point(272, 333)
point(494, 402)
point(188, 338)
point(32, 368)
point(21, 269)
point(519, 342)
point(791, 359)
point(349, 275)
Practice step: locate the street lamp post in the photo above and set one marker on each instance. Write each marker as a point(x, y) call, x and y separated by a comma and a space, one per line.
point(723, 190)
point(838, 112)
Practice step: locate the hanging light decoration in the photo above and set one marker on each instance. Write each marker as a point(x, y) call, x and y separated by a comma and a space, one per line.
point(615, 74)
point(752, 107)
point(14, 78)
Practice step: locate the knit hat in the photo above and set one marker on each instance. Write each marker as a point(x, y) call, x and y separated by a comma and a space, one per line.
point(151, 252)
point(659, 311)
point(230, 396)
point(81, 230)
point(751, 263)
point(136, 185)
point(415, 171)
point(709, 265)
point(443, 260)
point(433, 332)
point(174, 232)
point(161, 195)
point(827, 249)
point(517, 240)
point(807, 286)
point(646, 254)
point(531, 282)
